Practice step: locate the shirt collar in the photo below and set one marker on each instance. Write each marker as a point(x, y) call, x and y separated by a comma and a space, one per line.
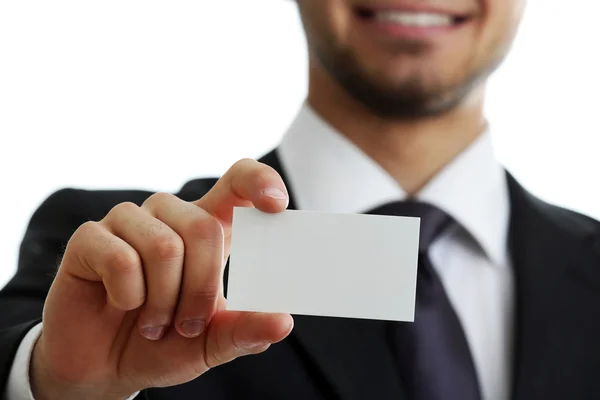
point(329, 173)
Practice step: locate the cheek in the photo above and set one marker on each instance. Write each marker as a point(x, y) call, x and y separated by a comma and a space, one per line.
point(326, 23)
point(497, 30)
point(337, 21)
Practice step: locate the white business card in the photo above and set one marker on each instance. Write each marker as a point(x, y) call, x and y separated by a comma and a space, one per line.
point(323, 264)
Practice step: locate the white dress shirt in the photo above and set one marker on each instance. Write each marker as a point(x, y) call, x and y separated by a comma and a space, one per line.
point(326, 172)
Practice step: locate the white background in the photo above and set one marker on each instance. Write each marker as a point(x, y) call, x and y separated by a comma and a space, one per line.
point(149, 94)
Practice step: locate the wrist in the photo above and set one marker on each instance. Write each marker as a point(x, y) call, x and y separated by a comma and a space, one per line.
point(47, 386)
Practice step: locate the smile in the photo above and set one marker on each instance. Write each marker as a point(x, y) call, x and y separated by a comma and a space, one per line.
point(413, 18)
point(413, 23)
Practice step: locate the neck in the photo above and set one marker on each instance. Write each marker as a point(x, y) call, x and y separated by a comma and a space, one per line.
point(412, 152)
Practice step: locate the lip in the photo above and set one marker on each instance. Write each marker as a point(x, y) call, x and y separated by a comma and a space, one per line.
point(391, 30)
point(411, 7)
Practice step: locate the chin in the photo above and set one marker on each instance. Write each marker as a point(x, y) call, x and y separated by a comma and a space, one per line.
point(408, 98)
point(402, 87)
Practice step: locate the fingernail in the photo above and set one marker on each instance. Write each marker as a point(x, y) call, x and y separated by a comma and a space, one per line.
point(193, 327)
point(253, 345)
point(275, 193)
point(153, 332)
point(256, 348)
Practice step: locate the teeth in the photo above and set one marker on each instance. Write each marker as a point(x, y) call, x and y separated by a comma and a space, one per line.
point(419, 19)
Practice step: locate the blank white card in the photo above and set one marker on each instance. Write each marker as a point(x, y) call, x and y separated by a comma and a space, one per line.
point(324, 264)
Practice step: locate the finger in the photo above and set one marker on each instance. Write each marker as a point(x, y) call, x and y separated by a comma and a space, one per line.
point(162, 252)
point(247, 183)
point(232, 334)
point(202, 235)
point(94, 254)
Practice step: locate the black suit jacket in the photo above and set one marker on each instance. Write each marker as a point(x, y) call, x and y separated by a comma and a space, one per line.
point(556, 257)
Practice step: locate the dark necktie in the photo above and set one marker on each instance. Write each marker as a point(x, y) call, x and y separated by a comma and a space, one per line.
point(432, 352)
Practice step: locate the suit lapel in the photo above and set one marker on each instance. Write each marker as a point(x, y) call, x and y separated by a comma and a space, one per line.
point(554, 329)
point(352, 357)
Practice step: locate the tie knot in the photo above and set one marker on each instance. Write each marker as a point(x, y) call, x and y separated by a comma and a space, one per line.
point(433, 220)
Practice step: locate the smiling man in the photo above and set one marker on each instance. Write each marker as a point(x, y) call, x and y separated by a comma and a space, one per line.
point(508, 288)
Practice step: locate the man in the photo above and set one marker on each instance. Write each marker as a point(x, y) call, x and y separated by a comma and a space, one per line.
point(508, 300)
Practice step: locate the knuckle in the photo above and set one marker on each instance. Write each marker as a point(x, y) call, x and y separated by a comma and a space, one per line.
point(151, 227)
point(255, 172)
point(262, 177)
point(208, 293)
point(205, 227)
point(217, 354)
point(123, 262)
point(235, 342)
point(243, 164)
point(158, 198)
point(123, 209)
point(167, 247)
point(87, 229)
point(188, 210)
point(91, 236)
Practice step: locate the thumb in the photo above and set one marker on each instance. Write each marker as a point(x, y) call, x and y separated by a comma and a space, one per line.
point(233, 334)
point(247, 183)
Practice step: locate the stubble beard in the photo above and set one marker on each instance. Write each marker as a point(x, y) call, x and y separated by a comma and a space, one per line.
point(406, 101)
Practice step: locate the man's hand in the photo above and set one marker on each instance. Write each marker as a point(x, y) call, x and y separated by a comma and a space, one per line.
point(138, 298)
